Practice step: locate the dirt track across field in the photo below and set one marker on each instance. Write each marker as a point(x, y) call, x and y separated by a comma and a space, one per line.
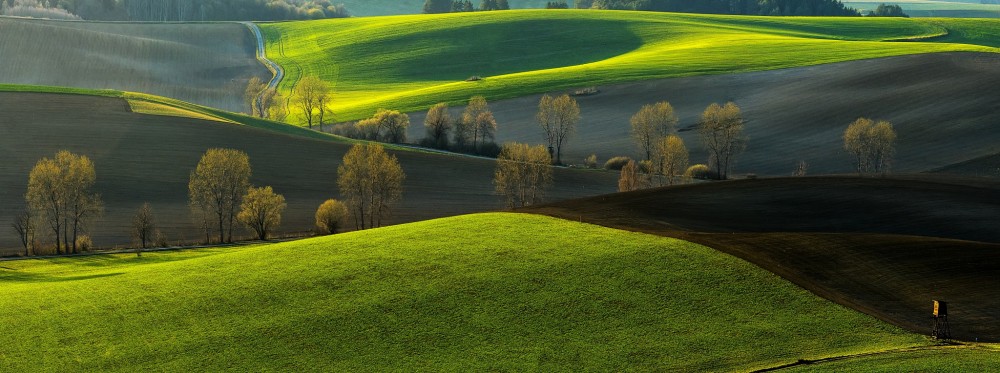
point(204, 63)
point(886, 247)
point(945, 108)
point(142, 158)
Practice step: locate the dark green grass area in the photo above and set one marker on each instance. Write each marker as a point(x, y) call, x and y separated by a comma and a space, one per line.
point(477, 292)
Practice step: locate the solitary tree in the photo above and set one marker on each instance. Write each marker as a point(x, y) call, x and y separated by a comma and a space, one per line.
point(438, 125)
point(721, 132)
point(218, 184)
point(24, 226)
point(310, 97)
point(261, 211)
point(871, 144)
point(651, 124)
point(474, 122)
point(558, 118)
point(59, 193)
point(255, 87)
point(371, 180)
point(143, 227)
point(522, 174)
point(330, 216)
point(671, 158)
point(630, 178)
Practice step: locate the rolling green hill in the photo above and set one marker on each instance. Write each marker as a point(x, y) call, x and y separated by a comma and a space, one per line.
point(411, 62)
point(478, 292)
point(365, 8)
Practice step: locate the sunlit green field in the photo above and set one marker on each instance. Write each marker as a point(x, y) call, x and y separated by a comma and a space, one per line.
point(478, 292)
point(411, 62)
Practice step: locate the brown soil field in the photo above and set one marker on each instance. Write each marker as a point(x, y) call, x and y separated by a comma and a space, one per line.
point(142, 158)
point(203, 63)
point(942, 106)
point(886, 247)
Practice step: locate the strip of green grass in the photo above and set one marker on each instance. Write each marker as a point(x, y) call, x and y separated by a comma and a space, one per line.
point(410, 62)
point(480, 292)
point(983, 358)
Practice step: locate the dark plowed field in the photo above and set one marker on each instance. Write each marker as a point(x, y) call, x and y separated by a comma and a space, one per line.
point(142, 158)
point(203, 63)
point(886, 247)
point(944, 106)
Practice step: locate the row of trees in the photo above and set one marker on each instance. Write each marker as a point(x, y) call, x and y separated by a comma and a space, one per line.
point(743, 7)
point(449, 6)
point(472, 132)
point(179, 10)
point(60, 197)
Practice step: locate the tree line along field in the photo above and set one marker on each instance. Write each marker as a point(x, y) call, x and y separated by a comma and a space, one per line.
point(476, 292)
point(147, 158)
point(203, 63)
point(408, 63)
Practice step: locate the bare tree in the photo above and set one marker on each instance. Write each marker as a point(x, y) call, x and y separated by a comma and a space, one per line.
point(59, 192)
point(255, 88)
point(671, 158)
point(218, 184)
point(721, 132)
point(330, 216)
point(871, 144)
point(371, 180)
point(630, 178)
point(261, 211)
point(143, 227)
point(523, 174)
point(651, 124)
point(558, 118)
point(24, 226)
point(473, 122)
point(438, 125)
point(310, 98)
point(800, 169)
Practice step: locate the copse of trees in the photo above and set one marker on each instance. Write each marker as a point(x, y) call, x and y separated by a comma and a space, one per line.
point(651, 124)
point(558, 118)
point(371, 181)
point(311, 98)
point(721, 132)
point(887, 10)
point(671, 158)
point(177, 10)
point(556, 5)
point(477, 127)
point(60, 194)
point(447, 6)
point(522, 175)
point(742, 7)
point(438, 125)
point(264, 101)
point(871, 145)
point(386, 125)
point(216, 188)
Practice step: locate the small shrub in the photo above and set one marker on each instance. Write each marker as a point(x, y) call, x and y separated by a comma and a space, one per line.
point(591, 161)
point(474, 78)
point(617, 163)
point(698, 171)
point(589, 91)
point(160, 239)
point(800, 169)
point(83, 243)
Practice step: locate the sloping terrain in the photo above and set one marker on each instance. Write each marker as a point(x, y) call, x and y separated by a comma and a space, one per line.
point(486, 292)
point(367, 8)
point(409, 63)
point(940, 104)
point(203, 63)
point(147, 158)
point(935, 8)
point(887, 247)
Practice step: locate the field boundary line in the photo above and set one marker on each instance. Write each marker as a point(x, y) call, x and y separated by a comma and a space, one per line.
point(802, 362)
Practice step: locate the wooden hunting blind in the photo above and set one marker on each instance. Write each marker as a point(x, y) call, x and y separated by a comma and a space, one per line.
point(941, 328)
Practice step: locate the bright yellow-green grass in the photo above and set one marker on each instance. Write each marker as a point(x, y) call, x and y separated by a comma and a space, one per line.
point(486, 292)
point(976, 358)
point(411, 62)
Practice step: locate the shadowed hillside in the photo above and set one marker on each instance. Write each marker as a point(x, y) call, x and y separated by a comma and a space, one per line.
point(204, 63)
point(143, 158)
point(884, 246)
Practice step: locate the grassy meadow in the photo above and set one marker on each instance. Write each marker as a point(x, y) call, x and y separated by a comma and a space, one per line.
point(976, 358)
point(410, 62)
point(497, 291)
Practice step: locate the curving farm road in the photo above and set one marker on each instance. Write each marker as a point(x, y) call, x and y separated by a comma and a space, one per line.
point(274, 68)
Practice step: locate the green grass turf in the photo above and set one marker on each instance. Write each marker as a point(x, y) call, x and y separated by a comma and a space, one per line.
point(411, 62)
point(982, 358)
point(483, 292)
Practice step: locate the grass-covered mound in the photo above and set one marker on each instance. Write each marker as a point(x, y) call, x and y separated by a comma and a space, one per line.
point(478, 292)
point(411, 62)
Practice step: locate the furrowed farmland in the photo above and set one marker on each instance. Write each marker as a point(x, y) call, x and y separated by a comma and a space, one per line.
point(483, 189)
